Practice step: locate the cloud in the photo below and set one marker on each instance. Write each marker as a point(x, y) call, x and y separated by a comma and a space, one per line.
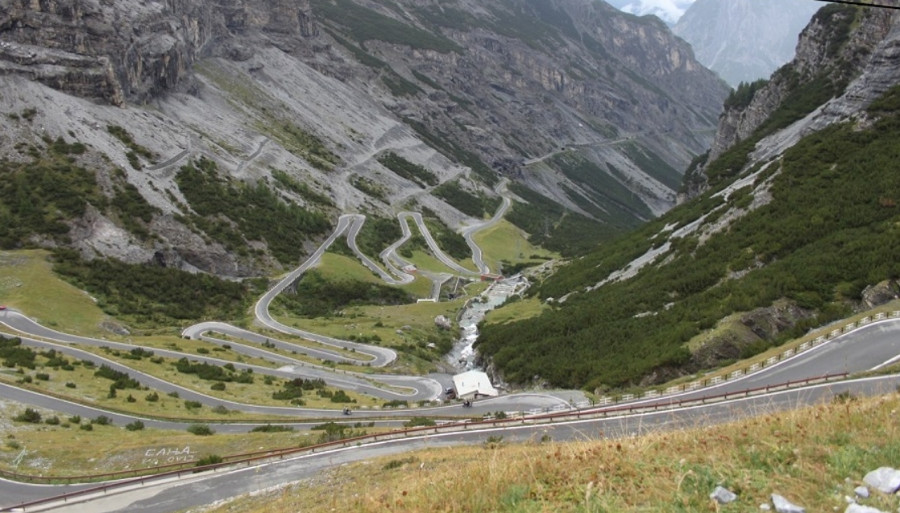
point(668, 10)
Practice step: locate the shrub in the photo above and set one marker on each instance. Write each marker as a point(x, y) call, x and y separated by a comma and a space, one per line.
point(419, 421)
point(102, 420)
point(134, 426)
point(269, 428)
point(212, 459)
point(200, 430)
point(29, 415)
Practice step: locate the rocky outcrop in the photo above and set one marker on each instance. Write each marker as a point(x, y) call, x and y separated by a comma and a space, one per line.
point(119, 51)
point(882, 293)
point(845, 53)
point(828, 50)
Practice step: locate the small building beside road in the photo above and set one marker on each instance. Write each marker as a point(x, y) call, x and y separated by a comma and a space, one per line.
point(472, 384)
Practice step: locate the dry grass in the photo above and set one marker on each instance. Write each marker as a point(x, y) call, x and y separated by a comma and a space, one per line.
point(814, 457)
point(66, 450)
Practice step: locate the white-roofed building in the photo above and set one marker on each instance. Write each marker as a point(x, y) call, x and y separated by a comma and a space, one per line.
point(471, 384)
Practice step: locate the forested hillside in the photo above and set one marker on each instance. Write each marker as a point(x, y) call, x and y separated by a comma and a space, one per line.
point(807, 231)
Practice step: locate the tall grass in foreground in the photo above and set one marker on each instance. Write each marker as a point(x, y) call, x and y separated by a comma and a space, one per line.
point(814, 456)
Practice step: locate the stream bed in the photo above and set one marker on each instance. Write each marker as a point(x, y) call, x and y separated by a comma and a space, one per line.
point(462, 356)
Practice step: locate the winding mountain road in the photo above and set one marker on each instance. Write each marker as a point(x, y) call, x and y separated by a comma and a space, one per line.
point(865, 348)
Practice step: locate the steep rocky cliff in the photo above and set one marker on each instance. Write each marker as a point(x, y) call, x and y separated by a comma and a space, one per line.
point(594, 110)
point(839, 45)
point(118, 51)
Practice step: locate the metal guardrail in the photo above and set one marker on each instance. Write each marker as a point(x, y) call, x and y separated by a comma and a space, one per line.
point(755, 367)
point(165, 471)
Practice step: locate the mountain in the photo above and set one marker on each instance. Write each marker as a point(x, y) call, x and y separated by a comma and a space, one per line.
point(670, 11)
point(792, 223)
point(226, 137)
point(744, 40)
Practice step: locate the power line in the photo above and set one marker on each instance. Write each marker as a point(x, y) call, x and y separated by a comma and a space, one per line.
point(871, 3)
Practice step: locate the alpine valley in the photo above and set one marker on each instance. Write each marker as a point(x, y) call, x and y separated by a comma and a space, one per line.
point(223, 140)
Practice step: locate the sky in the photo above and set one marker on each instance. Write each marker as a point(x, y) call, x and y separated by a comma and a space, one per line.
point(668, 10)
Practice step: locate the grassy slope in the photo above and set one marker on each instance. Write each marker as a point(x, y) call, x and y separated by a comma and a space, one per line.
point(508, 244)
point(28, 284)
point(67, 450)
point(805, 455)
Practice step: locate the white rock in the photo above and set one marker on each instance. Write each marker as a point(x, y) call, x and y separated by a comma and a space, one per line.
point(783, 505)
point(765, 507)
point(861, 491)
point(857, 508)
point(884, 479)
point(722, 495)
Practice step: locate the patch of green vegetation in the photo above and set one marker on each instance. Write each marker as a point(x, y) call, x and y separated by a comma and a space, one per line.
point(449, 241)
point(830, 230)
point(609, 200)
point(302, 143)
point(332, 431)
point(363, 24)
point(552, 226)
point(301, 189)
point(13, 354)
point(134, 148)
point(133, 211)
point(400, 86)
point(151, 295)
point(475, 205)
point(369, 187)
point(413, 172)
point(426, 80)
point(652, 164)
point(293, 389)
point(742, 95)
point(315, 296)
point(40, 197)
point(209, 372)
point(234, 213)
point(377, 234)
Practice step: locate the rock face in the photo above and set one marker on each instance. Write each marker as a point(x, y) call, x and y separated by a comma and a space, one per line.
point(119, 51)
point(844, 53)
point(744, 40)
